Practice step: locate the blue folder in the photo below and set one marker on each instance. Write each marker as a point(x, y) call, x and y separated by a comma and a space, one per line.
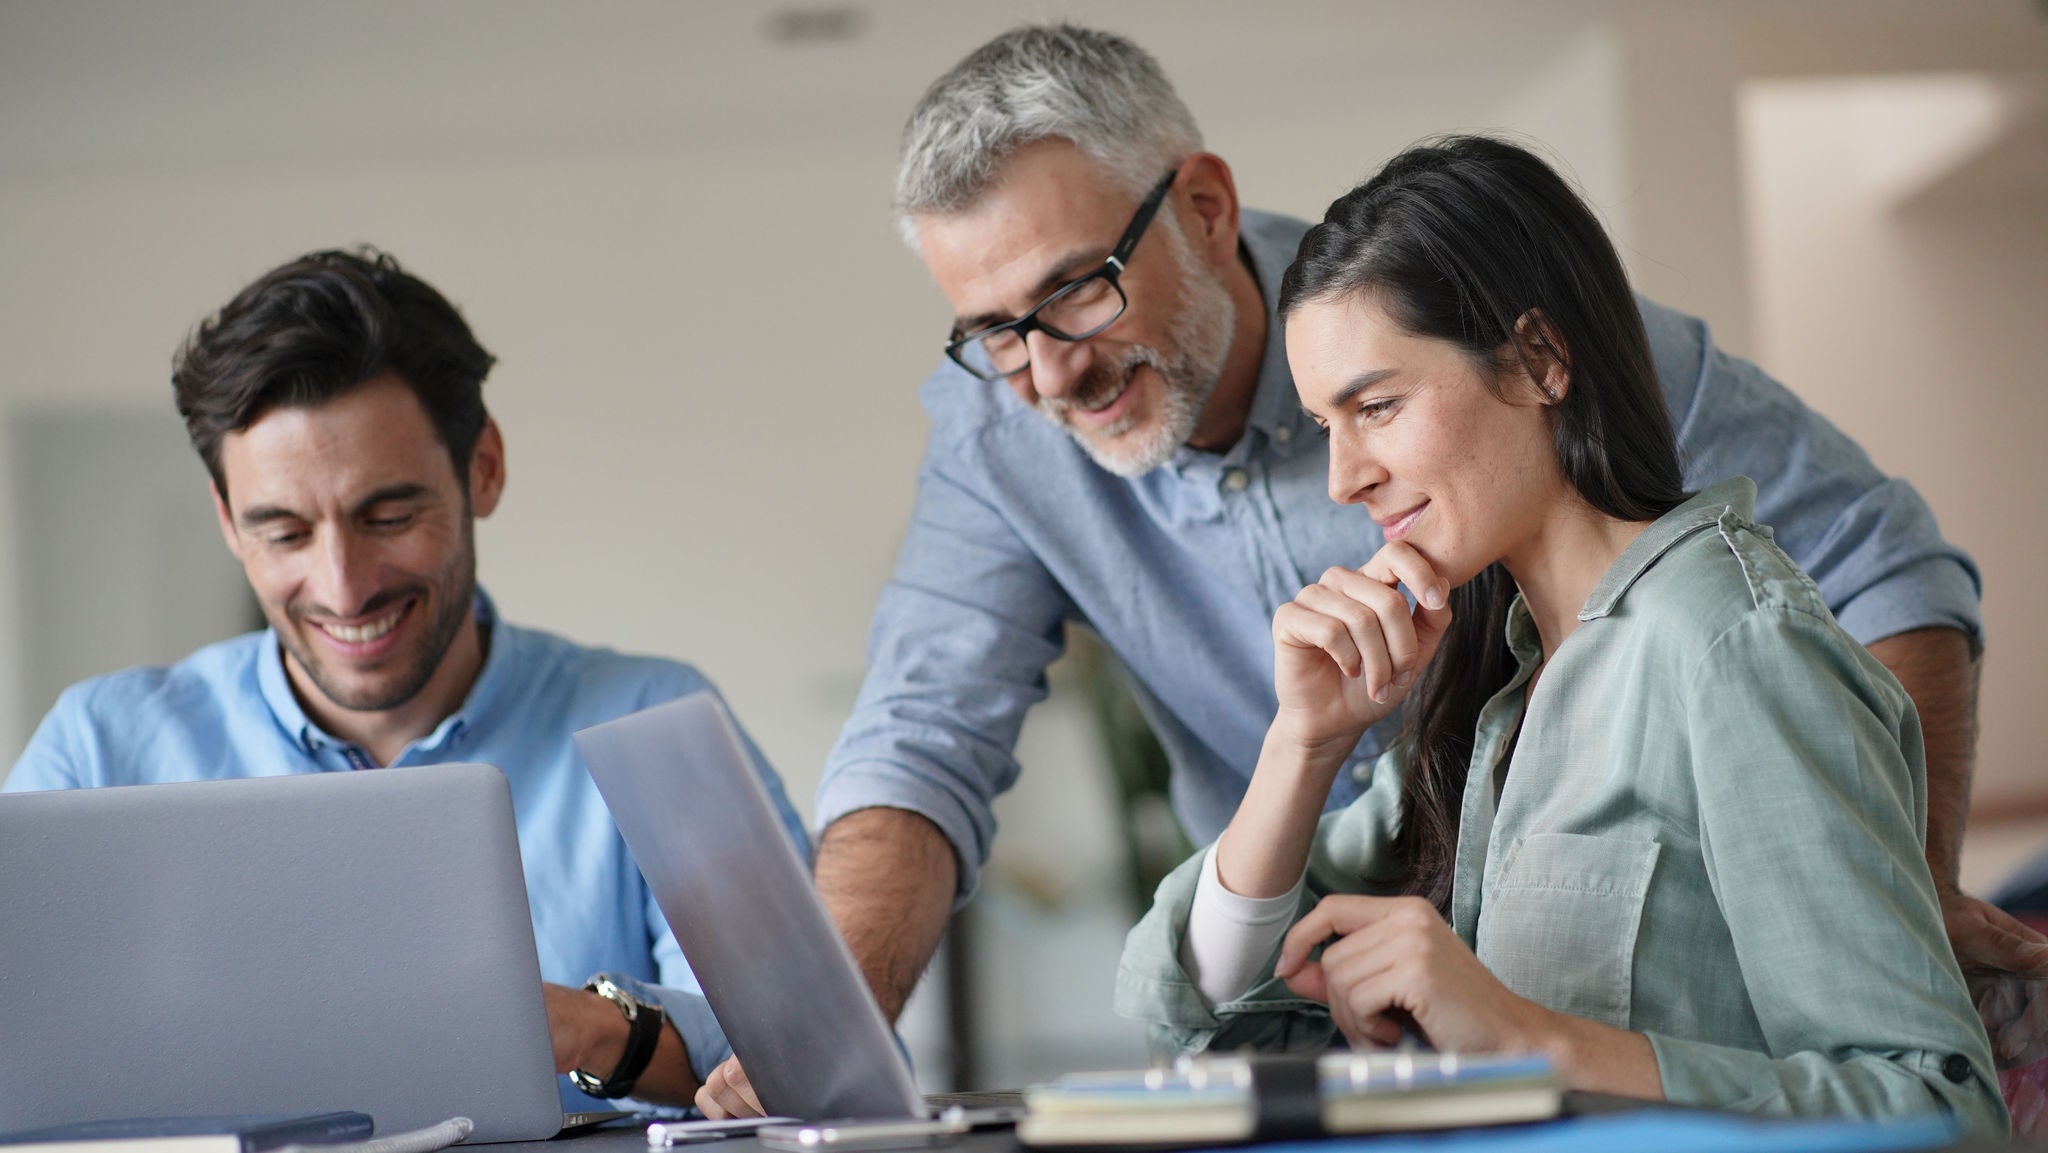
point(1662, 1130)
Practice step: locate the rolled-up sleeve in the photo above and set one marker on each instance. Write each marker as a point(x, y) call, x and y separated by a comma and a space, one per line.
point(956, 656)
point(1868, 540)
point(1806, 761)
point(688, 1013)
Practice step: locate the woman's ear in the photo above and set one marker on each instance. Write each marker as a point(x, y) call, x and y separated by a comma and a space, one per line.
point(1546, 360)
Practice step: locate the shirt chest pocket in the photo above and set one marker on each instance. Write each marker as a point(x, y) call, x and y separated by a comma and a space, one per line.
point(1559, 923)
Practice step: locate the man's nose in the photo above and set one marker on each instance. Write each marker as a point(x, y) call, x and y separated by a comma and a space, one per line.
point(345, 578)
point(1056, 365)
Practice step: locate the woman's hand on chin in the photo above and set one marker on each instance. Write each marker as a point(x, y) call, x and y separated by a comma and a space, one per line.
point(1396, 953)
point(1346, 651)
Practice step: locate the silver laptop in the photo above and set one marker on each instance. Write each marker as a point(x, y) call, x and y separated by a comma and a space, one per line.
point(780, 981)
point(276, 945)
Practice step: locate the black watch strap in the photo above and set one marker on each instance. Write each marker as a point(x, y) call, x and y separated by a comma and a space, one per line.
point(644, 1023)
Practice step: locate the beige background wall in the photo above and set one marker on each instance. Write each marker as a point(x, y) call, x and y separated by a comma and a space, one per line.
point(672, 228)
point(1900, 242)
point(674, 233)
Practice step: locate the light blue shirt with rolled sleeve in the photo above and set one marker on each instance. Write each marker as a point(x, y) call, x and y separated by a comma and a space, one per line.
point(228, 711)
point(1016, 533)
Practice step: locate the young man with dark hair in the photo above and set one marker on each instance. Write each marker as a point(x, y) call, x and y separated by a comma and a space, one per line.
point(338, 405)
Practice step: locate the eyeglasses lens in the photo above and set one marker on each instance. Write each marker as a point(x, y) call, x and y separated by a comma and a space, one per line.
point(1085, 308)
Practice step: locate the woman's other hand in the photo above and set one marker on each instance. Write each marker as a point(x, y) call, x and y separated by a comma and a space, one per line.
point(1347, 650)
point(1396, 953)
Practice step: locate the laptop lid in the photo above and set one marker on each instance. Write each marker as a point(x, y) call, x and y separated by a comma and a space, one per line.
point(273, 945)
point(781, 982)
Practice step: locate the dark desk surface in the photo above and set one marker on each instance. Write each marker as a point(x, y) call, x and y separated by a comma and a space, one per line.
point(632, 1138)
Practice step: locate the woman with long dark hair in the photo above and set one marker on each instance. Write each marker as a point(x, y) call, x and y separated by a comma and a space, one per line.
point(1652, 813)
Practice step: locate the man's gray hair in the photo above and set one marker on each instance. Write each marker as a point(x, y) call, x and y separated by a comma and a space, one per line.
point(1095, 90)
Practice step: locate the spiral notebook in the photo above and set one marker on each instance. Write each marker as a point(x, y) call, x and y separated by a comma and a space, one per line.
point(1267, 1098)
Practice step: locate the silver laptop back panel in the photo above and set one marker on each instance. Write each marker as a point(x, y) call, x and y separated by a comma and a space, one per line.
point(684, 793)
point(274, 945)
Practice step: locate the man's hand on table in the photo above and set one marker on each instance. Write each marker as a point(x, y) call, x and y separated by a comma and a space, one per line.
point(728, 1093)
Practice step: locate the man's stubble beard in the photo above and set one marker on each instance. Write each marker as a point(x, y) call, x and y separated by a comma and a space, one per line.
point(454, 593)
point(1198, 340)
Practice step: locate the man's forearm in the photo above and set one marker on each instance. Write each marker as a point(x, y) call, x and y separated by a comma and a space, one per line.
point(888, 877)
point(590, 1034)
point(1938, 672)
point(668, 1078)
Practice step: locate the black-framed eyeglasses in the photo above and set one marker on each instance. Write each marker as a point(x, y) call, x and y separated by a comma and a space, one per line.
point(1076, 310)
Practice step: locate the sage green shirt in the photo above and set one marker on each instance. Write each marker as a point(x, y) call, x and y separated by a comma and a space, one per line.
point(1709, 831)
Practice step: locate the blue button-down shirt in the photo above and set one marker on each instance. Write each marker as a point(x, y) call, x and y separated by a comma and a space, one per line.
point(1016, 533)
point(228, 711)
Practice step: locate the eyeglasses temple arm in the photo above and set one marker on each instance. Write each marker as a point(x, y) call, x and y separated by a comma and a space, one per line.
point(1136, 231)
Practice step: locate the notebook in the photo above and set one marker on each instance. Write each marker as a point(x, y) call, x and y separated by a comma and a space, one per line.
point(1231, 1099)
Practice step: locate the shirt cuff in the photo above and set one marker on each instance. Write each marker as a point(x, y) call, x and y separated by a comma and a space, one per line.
point(1935, 593)
point(690, 1015)
point(879, 785)
point(1231, 937)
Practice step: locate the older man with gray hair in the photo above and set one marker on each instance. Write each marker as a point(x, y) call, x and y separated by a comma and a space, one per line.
point(1116, 442)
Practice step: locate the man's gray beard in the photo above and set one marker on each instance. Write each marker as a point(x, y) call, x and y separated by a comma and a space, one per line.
point(1199, 339)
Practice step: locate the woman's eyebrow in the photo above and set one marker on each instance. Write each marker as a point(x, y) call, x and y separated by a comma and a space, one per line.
point(1358, 384)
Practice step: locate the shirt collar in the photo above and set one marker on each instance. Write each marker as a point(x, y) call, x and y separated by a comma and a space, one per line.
point(1275, 404)
point(1524, 642)
point(291, 717)
point(1737, 495)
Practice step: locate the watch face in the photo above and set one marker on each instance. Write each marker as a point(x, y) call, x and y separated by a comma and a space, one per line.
point(627, 1003)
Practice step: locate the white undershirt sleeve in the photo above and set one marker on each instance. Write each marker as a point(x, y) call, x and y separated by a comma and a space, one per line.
point(1231, 939)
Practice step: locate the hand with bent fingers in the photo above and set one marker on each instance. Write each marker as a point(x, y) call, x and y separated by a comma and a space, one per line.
point(1989, 939)
point(2006, 964)
point(727, 1093)
point(1347, 649)
point(1397, 953)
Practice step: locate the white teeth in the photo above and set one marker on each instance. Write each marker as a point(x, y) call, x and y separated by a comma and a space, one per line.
point(1106, 401)
point(358, 634)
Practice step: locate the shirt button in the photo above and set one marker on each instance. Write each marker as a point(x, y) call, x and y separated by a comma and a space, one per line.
point(1956, 1068)
point(1283, 434)
point(1236, 479)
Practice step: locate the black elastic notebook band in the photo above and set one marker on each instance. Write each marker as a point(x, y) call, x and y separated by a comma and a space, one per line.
point(1287, 1099)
